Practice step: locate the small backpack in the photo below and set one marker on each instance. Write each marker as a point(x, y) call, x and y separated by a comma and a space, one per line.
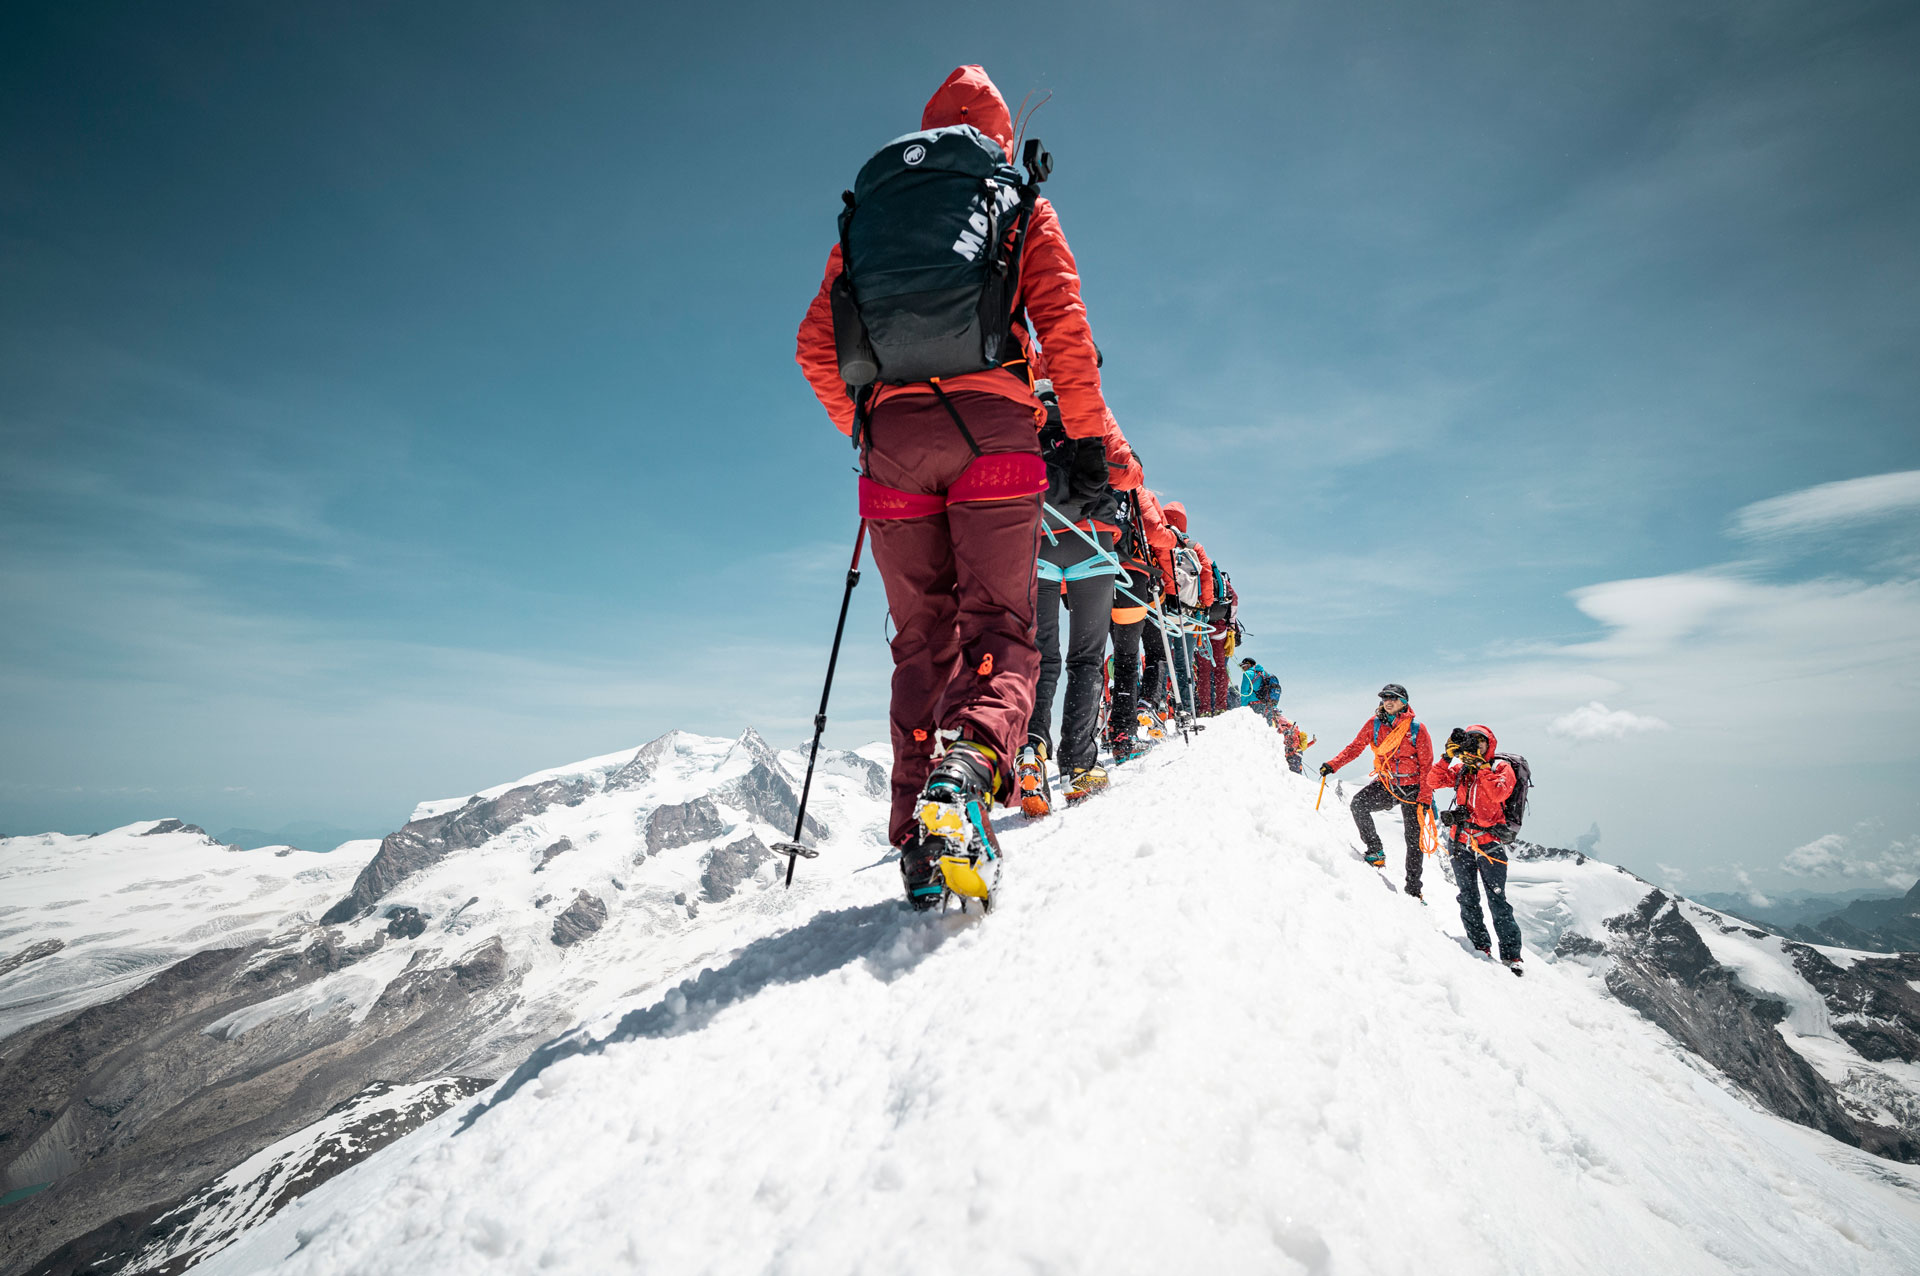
point(1269, 689)
point(1515, 808)
point(929, 274)
point(1186, 576)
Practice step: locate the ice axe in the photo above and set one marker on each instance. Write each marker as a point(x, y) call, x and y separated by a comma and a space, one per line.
point(1323, 791)
point(794, 850)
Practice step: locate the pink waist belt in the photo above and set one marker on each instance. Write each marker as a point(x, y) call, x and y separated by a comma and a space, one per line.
point(998, 476)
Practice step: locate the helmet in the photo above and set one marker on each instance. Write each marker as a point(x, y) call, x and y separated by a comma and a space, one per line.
point(1395, 690)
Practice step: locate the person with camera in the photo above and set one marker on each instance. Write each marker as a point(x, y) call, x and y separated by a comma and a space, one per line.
point(1402, 757)
point(1477, 834)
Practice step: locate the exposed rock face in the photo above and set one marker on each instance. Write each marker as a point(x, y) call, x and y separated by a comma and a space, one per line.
point(644, 766)
point(765, 793)
point(1663, 969)
point(683, 824)
point(176, 826)
point(560, 847)
point(426, 842)
point(871, 773)
point(406, 923)
point(33, 952)
point(582, 919)
point(1874, 1006)
point(131, 1104)
point(730, 865)
point(174, 1237)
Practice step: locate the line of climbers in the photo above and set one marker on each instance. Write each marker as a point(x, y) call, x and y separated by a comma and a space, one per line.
point(949, 341)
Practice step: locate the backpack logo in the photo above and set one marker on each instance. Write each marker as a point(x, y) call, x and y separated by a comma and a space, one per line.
point(913, 154)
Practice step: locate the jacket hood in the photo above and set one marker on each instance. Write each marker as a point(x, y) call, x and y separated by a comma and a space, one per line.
point(1493, 741)
point(969, 97)
point(1176, 514)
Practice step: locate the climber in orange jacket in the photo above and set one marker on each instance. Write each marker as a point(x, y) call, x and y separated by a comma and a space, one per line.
point(1402, 757)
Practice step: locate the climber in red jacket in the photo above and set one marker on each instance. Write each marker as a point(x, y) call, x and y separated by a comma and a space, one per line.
point(1402, 755)
point(1481, 784)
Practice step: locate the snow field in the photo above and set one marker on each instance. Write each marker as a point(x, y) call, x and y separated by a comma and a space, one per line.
point(1198, 1034)
point(127, 904)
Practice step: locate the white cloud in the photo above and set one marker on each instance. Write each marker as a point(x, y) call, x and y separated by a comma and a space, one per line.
point(1831, 505)
point(1670, 877)
point(1594, 721)
point(1834, 855)
point(1754, 897)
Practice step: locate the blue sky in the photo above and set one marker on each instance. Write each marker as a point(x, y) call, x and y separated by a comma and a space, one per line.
point(398, 399)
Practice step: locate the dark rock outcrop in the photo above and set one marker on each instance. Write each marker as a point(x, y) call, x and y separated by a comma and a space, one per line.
point(32, 952)
point(406, 923)
point(547, 856)
point(1872, 1003)
point(1662, 968)
point(176, 826)
point(581, 920)
point(176, 1236)
point(683, 824)
point(730, 865)
point(130, 1105)
point(424, 843)
point(644, 766)
point(765, 793)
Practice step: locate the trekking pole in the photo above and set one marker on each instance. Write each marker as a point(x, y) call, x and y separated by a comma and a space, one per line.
point(794, 850)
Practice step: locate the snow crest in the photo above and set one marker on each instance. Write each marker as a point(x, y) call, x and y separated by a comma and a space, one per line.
point(1198, 1035)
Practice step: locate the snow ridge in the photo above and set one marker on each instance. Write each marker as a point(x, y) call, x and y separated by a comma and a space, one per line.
point(1198, 1035)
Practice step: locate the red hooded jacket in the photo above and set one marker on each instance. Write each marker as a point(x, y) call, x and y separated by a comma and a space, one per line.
point(1176, 515)
point(1049, 291)
point(1411, 763)
point(1483, 793)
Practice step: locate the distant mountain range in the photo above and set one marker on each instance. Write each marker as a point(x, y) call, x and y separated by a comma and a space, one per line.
point(1879, 920)
point(308, 835)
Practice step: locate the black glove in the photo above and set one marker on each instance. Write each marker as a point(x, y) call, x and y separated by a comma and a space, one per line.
point(1454, 818)
point(1090, 466)
point(1326, 768)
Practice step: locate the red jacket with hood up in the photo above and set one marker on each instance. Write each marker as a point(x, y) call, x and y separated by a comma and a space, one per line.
point(1176, 515)
point(1049, 291)
point(1483, 793)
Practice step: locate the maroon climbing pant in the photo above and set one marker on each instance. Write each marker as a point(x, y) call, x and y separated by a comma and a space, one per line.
point(1222, 683)
point(955, 526)
point(1203, 679)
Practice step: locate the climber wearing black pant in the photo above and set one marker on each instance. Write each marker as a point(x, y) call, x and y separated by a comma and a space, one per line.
point(1402, 756)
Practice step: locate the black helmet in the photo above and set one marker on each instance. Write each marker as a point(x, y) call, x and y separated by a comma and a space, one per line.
point(1395, 690)
point(1248, 663)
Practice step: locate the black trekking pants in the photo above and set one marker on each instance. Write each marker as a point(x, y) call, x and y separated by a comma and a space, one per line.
point(1090, 606)
point(1375, 798)
point(1470, 869)
point(1121, 719)
point(1153, 666)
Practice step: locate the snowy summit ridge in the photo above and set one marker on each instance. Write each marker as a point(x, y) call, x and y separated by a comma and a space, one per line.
point(1196, 1036)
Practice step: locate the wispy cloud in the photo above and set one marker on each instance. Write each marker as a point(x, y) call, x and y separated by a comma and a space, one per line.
point(1594, 721)
point(1831, 506)
point(1844, 855)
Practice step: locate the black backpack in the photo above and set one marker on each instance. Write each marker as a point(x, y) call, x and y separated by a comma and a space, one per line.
point(1515, 808)
point(928, 279)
